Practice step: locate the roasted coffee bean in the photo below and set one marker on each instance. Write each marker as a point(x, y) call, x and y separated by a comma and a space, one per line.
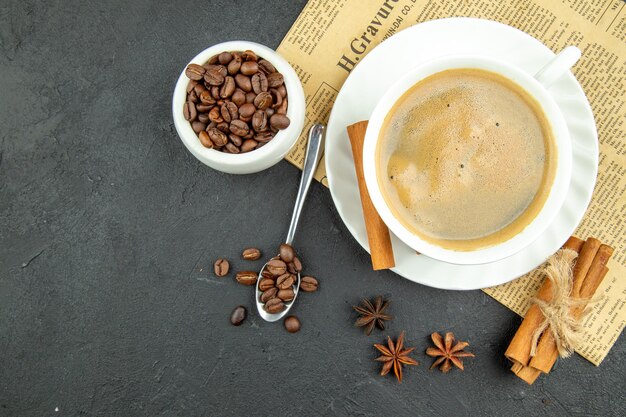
point(238, 127)
point(279, 121)
point(308, 284)
point(198, 126)
point(213, 60)
point(192, 84)
point(205, 140)
point(238, 315)
point(247, 110)
point(224, 58)
point(229, 111)
point(297, 264)
point(198, 89)
point(243, 82)
point(251, 254)
point(203, 117)
point(276, 267)
point(206, 97)
point(215, 93)
point(282, 109)
point(236, 140)
point(285, 281)
point(223, 127)
point(267, 274)
point(248, 55)
point(231, 148)
point(275, 79)
point(249, 68)
point(286, 295)
point(275, 305)
point(266, 66)
point(259, 82)
point(213, 76)
point(204, 108)
point(266, 284)
point(221, 267)
point(263, 101)
point(193, 97)
point(246, 277)
point(189, 111)
point(248, 145)
point(292, 324)
point(286, 252)
point(259, 121)
point(228, 88)
point(250, 97)
point(277, 98)
point(269, 294)
point(218, 137)
point(239, 97)
point(269, 111)
point(282, 90)
point(215, 115)
point(195, 72)
point(263, 137)
point(234, 65)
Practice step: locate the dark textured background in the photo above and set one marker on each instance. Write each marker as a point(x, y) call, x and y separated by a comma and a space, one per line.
point(116, 311)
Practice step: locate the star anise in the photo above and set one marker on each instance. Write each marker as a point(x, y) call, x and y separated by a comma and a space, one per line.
point(372, 314)
point(447, 353)
point(394, 356)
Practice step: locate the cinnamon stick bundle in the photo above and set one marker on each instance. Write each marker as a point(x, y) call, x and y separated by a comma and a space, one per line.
point(587, 274)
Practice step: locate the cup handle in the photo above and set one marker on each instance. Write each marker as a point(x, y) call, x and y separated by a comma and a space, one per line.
point(560, 64)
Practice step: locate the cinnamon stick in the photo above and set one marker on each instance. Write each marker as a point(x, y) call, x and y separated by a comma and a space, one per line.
point(518, 351)
point(378, 237)
point(547, 352)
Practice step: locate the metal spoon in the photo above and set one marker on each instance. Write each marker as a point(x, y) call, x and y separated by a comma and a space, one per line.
point(311, 159)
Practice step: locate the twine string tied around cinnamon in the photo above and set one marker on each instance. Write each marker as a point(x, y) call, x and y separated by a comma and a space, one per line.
point(566, 329)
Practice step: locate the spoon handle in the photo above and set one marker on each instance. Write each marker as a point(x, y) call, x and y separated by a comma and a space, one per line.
point(311, 159)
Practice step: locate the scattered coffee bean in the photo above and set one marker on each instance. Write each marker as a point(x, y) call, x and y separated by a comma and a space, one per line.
point(286, 252)
point(292, 324)
point(246, 277)
point(238, 315)
point(251, 254)
point(239, 93)
point(274, 305)
point(221, 267)
point(308, 284)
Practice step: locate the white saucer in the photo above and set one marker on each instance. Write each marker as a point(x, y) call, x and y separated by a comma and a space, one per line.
point(409, 48)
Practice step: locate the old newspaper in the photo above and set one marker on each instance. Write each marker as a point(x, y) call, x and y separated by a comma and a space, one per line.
point(325, 41)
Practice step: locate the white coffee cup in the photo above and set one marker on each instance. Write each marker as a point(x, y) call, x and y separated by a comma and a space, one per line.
point(536, 86)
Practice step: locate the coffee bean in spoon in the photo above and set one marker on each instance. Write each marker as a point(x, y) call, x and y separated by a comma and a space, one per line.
point(274, 306)
point(286, 252)
point(276, 267)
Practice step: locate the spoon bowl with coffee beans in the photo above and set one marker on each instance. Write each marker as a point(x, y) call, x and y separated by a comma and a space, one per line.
point(279, 280)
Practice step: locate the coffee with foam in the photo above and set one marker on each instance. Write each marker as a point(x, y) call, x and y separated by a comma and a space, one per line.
point(466, 159)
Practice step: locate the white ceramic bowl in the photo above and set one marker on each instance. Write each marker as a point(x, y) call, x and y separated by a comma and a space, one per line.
point(261, 158)
point(559, 186)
